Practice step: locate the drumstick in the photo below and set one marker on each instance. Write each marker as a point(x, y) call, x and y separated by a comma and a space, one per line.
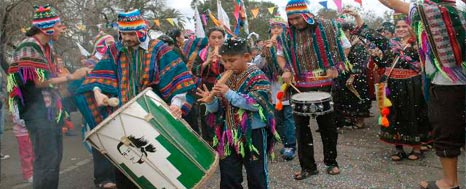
point(227, 74)
point(294, 87)
point(113, 102)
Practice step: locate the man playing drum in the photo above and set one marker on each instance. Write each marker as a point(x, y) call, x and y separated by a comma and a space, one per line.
point(314, 51)
point(128, 67)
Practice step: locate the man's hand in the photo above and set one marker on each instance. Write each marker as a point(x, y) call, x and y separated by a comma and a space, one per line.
point(100, 98)
point(176, 111)
point(80, 73)
point(287, 77)
point(220, 89)
point(332, 73)
point(204, 94)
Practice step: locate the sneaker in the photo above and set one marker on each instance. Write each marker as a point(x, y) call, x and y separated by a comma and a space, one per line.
point(30, 179)
point(4, 156)
point(289, 154)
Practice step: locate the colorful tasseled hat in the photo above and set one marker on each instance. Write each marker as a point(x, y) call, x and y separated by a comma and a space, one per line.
point(132, 21)
point(278, 20)
point(45, 18)
point(300, 7)
point(397, 16)
point(101, 43)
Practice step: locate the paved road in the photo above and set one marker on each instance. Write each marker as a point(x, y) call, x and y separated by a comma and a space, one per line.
point(363, 159)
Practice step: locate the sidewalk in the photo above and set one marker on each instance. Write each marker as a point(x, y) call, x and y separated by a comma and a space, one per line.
point(363, 159)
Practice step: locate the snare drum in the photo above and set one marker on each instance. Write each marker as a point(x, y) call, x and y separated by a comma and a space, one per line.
point(151, 147)
point(312, 103)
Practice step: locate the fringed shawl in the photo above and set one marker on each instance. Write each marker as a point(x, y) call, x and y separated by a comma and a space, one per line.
point(233, 129)
point(441, 31)
point(32, 62)
point(158, 67)
point(323, 50)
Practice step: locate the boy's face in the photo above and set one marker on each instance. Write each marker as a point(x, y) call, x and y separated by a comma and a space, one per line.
point(238, 63)
point(276, 29)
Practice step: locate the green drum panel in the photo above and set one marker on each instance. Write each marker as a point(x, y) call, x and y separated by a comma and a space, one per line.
point(171, 130)
point(142, 181)
point(190, 173)
point(193, 145)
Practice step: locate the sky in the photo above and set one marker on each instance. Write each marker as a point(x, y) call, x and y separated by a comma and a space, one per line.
point(374, 5)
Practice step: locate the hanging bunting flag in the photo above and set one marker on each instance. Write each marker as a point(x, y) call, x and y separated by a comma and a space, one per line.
point(244, 16)
point(199, 30)
point(214, 20)
point(157, 22)
point(217, 23)
point(222, 15)
point(81, 27)
point(359, 1)
point(339, 5)
point(170, 20)
point(204, 19)
point(176, 21)
point(82, 50)
point(324, 4)
point(255, 12)
point(271, 9)
point(23, 30)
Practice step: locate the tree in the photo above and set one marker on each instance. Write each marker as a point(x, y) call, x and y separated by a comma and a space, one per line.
point(82, 18)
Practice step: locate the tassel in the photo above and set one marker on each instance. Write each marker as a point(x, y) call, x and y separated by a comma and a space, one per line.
point(385, 122)
point(279, 105)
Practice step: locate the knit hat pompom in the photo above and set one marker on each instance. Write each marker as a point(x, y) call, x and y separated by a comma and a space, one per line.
point(300, 7)
point(45, 18)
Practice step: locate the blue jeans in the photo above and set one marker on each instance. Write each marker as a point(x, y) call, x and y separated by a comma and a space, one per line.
point(286, 126)
point(47, 142)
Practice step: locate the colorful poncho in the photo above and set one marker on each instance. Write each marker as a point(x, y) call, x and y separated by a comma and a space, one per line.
point(124, 73)
point(315, 50)
point(33, 61)
point(441, 31)
point(233, 126)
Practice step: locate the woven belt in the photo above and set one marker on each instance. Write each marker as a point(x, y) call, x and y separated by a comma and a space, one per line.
point(398, 73)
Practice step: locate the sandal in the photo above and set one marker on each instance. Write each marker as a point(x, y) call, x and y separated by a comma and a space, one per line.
point(415, 155)
point(331, 170)
point(433, 185)
point(106, 185)
point(426, 147)
point(398, 156)
point(304, 174)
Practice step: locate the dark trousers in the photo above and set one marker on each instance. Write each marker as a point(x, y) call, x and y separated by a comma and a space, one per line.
point(103, 168)
point(47, 142)
point(197, 120)
point(231, 174)
point(329, 135)
point(122, 181)
point(446, 107)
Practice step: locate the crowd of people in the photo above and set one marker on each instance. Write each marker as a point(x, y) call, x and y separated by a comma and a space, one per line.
point(416, 63)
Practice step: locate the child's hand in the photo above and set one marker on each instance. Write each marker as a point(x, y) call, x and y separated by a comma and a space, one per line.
point(204, 94)
point(220, 89)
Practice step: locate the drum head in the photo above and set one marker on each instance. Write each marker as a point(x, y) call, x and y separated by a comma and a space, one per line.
point(311, 96)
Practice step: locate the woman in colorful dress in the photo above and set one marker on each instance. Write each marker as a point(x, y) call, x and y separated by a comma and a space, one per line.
point(407, 117)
